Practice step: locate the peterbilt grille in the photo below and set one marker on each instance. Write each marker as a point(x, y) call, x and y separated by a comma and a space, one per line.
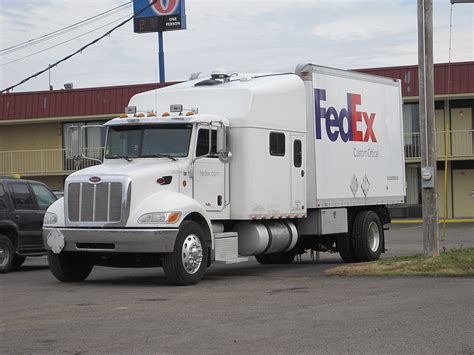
point(95, 202)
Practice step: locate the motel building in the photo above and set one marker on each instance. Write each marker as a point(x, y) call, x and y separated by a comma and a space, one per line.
point(34, 126)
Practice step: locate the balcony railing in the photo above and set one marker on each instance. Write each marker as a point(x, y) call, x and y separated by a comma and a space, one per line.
point(460, 144)
point(45, 162)
point(55, 161)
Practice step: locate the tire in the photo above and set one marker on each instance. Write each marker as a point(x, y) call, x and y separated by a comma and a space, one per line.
point(278, 258)
point(69, 266)
point(7, 254)
point(282, 258)
point(263, 259)
point(18, 260)
point(186, 265)
point(367, 236)
point(345, 248)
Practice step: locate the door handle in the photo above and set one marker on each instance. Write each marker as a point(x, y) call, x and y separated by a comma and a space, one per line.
point(302, 173)
point(17, 216)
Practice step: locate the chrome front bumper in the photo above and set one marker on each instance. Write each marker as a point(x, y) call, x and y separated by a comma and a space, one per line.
point(110, 240)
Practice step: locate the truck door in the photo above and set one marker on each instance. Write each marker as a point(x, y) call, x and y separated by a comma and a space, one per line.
point(298, 174)
point(209, 173)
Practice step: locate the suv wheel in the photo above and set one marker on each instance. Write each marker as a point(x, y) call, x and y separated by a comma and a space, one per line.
point(7, 254)
point(18, 260)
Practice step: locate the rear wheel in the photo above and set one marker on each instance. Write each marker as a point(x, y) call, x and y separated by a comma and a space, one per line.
point(367, 236)
point(278, 258)
point(7, 254)
point(18, 260)
point(69, 266)
point(263, 259)
point(186, 265)
point(345, 248)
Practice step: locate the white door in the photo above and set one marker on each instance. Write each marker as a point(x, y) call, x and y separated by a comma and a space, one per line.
point(209, 173)
point(298, 173)
point(209, 187)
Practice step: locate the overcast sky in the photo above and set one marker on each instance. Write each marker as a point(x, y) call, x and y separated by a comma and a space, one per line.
point(238, 35)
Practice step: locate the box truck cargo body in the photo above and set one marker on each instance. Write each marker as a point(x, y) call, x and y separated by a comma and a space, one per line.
point(232, 166)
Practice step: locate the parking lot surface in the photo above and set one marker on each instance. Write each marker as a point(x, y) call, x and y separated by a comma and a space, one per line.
point(243, 308)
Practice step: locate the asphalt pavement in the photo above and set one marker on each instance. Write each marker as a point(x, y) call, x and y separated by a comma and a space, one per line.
point(243, 308)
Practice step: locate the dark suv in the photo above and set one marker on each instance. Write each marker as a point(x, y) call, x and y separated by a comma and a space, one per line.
point(23, 204)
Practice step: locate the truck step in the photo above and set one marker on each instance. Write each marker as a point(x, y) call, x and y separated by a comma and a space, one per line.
point(226, 248)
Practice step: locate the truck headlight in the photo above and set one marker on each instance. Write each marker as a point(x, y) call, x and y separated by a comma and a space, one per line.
point(50, 218)
point(160, 217)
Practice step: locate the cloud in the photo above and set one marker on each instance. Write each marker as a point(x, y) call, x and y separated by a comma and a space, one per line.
point(244, 35)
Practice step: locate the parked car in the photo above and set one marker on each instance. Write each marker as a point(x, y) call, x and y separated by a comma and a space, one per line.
point(58, 194)
point(23, 204)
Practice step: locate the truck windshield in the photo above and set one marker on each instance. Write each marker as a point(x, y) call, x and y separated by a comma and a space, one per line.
point(146, 141)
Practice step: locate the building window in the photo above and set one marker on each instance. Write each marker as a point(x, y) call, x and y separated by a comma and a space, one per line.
point(277, 144)
point(411, 118)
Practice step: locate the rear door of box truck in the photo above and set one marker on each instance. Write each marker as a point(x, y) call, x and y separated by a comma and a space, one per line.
point(355, 139)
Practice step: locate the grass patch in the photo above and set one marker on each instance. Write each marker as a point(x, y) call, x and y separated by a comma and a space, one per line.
point(454, 262)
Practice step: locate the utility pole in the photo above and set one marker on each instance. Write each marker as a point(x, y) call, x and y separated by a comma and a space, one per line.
point(427, 129)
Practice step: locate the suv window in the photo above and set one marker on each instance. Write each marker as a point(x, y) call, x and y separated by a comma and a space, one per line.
point(44, 197)
point(3, 199)
point(21, 196)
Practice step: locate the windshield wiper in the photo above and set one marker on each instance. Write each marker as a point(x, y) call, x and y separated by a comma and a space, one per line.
point(115, 156)
point(158, 155)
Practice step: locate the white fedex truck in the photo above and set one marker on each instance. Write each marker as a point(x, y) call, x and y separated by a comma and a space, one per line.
point(233, 166)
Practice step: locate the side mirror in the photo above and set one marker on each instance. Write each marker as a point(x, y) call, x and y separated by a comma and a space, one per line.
point(73, 142)
point(223, 150)
point(225, 156)
point(94, 149)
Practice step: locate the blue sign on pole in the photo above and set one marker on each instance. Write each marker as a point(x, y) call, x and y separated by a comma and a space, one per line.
point(159, 15)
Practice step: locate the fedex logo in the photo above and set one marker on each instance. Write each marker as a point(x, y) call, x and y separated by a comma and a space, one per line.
point(334, 120)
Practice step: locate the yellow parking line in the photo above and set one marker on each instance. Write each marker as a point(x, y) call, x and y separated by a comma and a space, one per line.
point(415, 221)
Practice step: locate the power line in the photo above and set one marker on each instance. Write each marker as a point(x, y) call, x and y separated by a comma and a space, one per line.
point(61, 31)
point(79, 50)
point(63, 42)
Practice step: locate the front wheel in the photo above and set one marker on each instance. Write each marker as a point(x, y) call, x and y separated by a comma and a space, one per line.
point(69, 266)
point(367, 236)
point(186, 265)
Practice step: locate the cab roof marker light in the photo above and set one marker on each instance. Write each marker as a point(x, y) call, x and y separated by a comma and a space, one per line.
point(140, 115)
point(123, 115)
point(190, 113)
point(165, 114)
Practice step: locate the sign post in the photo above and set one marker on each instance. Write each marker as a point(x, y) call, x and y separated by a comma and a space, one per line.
point(159, 16)
point(161, 57)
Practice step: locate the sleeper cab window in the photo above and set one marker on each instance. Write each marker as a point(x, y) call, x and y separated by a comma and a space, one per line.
point(277, 144)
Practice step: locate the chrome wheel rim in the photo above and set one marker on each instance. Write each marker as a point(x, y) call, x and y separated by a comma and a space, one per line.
point(192, 254)
point(4, 255)
point(373, 236)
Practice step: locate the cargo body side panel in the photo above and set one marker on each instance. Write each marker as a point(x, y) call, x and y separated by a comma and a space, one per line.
point(355, 123)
